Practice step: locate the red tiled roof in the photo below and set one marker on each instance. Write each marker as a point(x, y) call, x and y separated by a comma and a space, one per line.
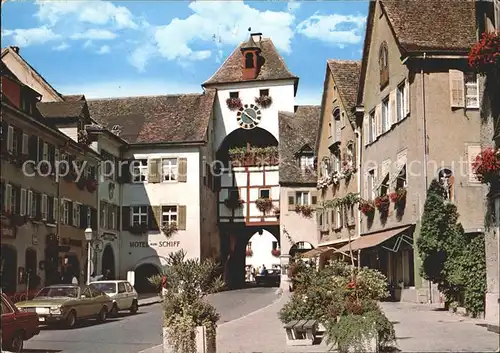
point(346, 76)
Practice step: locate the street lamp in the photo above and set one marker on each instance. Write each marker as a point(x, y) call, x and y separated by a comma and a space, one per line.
point(88, 238)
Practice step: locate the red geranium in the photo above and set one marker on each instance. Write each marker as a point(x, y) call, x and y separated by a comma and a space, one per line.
point(486, 166)
point(366, 207)
point(485, 54)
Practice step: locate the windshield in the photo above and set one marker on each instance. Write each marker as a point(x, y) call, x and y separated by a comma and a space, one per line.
point(58, 292)
point(105, 287)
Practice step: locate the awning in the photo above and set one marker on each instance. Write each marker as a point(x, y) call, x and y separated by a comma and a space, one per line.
point(372, 240)
point(379, 184)
point(315, 252)
point(400, 165)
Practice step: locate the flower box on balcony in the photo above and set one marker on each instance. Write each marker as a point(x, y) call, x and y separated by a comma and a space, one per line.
point(248, 252)
point(169, 229)
point(233, 203)
point(264, 204)
point(398, 197)
point(241, 156)
point(486, 166)
point(276, 252)
point(484, 56)
point(382, 203)
point(138, 229)
point(234, 103)
point(264, 101)
point(304, 210)
point(367, 207)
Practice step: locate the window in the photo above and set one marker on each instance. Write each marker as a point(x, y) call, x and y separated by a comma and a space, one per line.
point(129, 287)
point(234, 94)
point(29, 204)
point(335, 156)
point(44, 207)
point(306, 162)
point(168, 215)
point(339, 220)
point(385, 115)
point(249, 61)
point(349, 158)
point(22, 211)
point(111, 216)
point(35, 205)
point(371, 127)
point(65, 212)
point(325, 167)
point(303, 198)
point(14, 197)
point(400, 102)
point(370, 182)
point(447, 180)
point(264, 92)
point(337, 124)
point(384, 186)
point(45, 153)
point(109, 164)
point(15, 141)
point(401, 180)
point(249, 245)
point(383, 61)
point(10, 138)
point(169, 169)
point(89, 217)
point(471, 90)
point(76, 214)
point(234, 194)
point(139, 215)
point(55, 209)
point(24, 148)
point(104, 213)
point(264, 193)
point(140, 171)
point(6, 309)
point(121, 287)
point(8, 197)
point(275, 245)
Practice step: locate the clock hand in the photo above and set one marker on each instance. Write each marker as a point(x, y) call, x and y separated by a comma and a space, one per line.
point(249, 117)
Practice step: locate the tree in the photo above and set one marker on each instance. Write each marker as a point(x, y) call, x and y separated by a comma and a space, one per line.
point(441, 243)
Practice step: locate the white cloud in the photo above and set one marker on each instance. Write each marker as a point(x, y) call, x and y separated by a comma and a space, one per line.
point(31, 36)
point(87, 44)
point(293, 5)
point(61, 47)
point(141, 55)
point(220, 23)
point(95, 34)
point(105, 49)
point(131, 88)
point(334, 29)
point(94, 12)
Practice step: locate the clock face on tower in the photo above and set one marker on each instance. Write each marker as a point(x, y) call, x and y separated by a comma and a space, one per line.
point(248, 116)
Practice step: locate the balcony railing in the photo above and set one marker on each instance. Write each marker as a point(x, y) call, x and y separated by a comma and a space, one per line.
point(257, 156)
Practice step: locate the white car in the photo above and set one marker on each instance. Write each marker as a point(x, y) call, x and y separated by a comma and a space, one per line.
point(123, 294)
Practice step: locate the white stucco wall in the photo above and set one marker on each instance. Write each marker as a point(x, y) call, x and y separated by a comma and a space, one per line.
point(262, 245)
point(154, 247)
point(71, 132)
point(282, 93)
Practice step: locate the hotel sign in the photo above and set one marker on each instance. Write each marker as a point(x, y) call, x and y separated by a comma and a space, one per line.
point(159, 244)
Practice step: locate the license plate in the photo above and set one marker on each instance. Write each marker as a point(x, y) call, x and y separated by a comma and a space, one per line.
point(42, 319)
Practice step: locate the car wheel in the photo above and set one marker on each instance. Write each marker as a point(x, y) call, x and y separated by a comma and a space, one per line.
point(114, 310)
point(71, 319)
point(103, 314)
point(134, 308)
point(17, 342)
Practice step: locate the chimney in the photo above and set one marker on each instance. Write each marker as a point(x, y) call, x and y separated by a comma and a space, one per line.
point(16, 49)
point(257, 37)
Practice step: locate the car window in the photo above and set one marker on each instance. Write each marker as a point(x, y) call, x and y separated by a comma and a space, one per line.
point(121, 287)
point(129, 287)
point(106, 287)
point(86, 292)
point(96, 292)
point(55, 292)
point(5, 308)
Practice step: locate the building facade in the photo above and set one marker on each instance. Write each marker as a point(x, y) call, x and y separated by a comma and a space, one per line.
point(338, 160)
point(412, 89)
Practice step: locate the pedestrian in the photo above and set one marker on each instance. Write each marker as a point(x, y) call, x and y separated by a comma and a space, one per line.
point(74, 280)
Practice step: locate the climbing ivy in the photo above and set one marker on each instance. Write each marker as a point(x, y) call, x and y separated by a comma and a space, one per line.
point(348, 200)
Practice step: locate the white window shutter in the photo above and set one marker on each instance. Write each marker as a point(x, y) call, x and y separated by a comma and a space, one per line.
point(22, 211)
point(10, 138)
point(375, 182)
point(406, 98)
point(366, 130)
point(55, 209)
point(24, 149)
point(457, 89)
point(472, 152)
point(365, 186)
point(393, 118)
point(378, 120)
point(29, 201)
point(44, 207)
point(8, 196)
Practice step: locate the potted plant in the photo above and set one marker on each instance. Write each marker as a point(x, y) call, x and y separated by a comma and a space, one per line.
point(399, 196)
point(367, 207)
point(348, 170)
point(189, 320)
point(234, 103)
point(486, 166)
point(382, 203)
point(304, 210)
point(138, 229)
point(484, 56)
point(169, 229)
point(276, 252)
point(248, 252)
point(233, 203)
point(264, 101)
point(91, 184)
point(264, 204)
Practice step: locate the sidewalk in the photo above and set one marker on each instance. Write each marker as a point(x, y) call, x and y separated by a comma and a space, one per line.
point(148, 299)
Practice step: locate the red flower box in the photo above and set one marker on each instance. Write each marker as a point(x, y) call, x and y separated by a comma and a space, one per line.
point(486, 166)
point(382, 203)
point(367, 207)
point(234, 103)
point(276, 252)
point(248, 252)
point(484, 56)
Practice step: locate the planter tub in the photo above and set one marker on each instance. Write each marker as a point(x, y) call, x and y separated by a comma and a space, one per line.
point(203, 343)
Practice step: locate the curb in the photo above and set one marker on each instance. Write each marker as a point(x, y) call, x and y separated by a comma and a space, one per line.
point(146, 302)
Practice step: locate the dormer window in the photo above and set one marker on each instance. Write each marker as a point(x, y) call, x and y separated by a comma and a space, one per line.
point(383, 61)
point(306, 162)
point(249, 64)
point(264, 93)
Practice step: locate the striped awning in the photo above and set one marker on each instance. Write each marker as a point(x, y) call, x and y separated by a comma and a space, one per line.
point(368, 241)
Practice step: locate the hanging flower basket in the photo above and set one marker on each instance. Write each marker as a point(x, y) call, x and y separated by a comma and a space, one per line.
point(91, 185)
point(484, 56)
point(398, 196)
point(264, 101)
point(367, 207)
point(169, 229)
point(276, 252)
point(138, 229)
point(304, 210)
point(486, 166)
point(264, 204)
point(234, 103)
point(233, 203)
point(348, 170)
point(81, 183)
point(248, 252)
point(382, 203)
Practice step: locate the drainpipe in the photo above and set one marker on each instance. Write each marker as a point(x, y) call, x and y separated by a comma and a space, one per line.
point(426, 147)
point(358, 187)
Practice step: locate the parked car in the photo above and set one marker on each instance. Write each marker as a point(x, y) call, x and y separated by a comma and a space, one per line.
point(17, 326)
point(271, 278)
point(66, 304)
point(123, 294)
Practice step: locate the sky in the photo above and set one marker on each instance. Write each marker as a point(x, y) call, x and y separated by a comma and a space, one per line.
point(130, 48)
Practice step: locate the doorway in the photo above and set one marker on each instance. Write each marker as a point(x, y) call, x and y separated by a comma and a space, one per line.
point(31, 268)
point(9, 269)
point(108, 261)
